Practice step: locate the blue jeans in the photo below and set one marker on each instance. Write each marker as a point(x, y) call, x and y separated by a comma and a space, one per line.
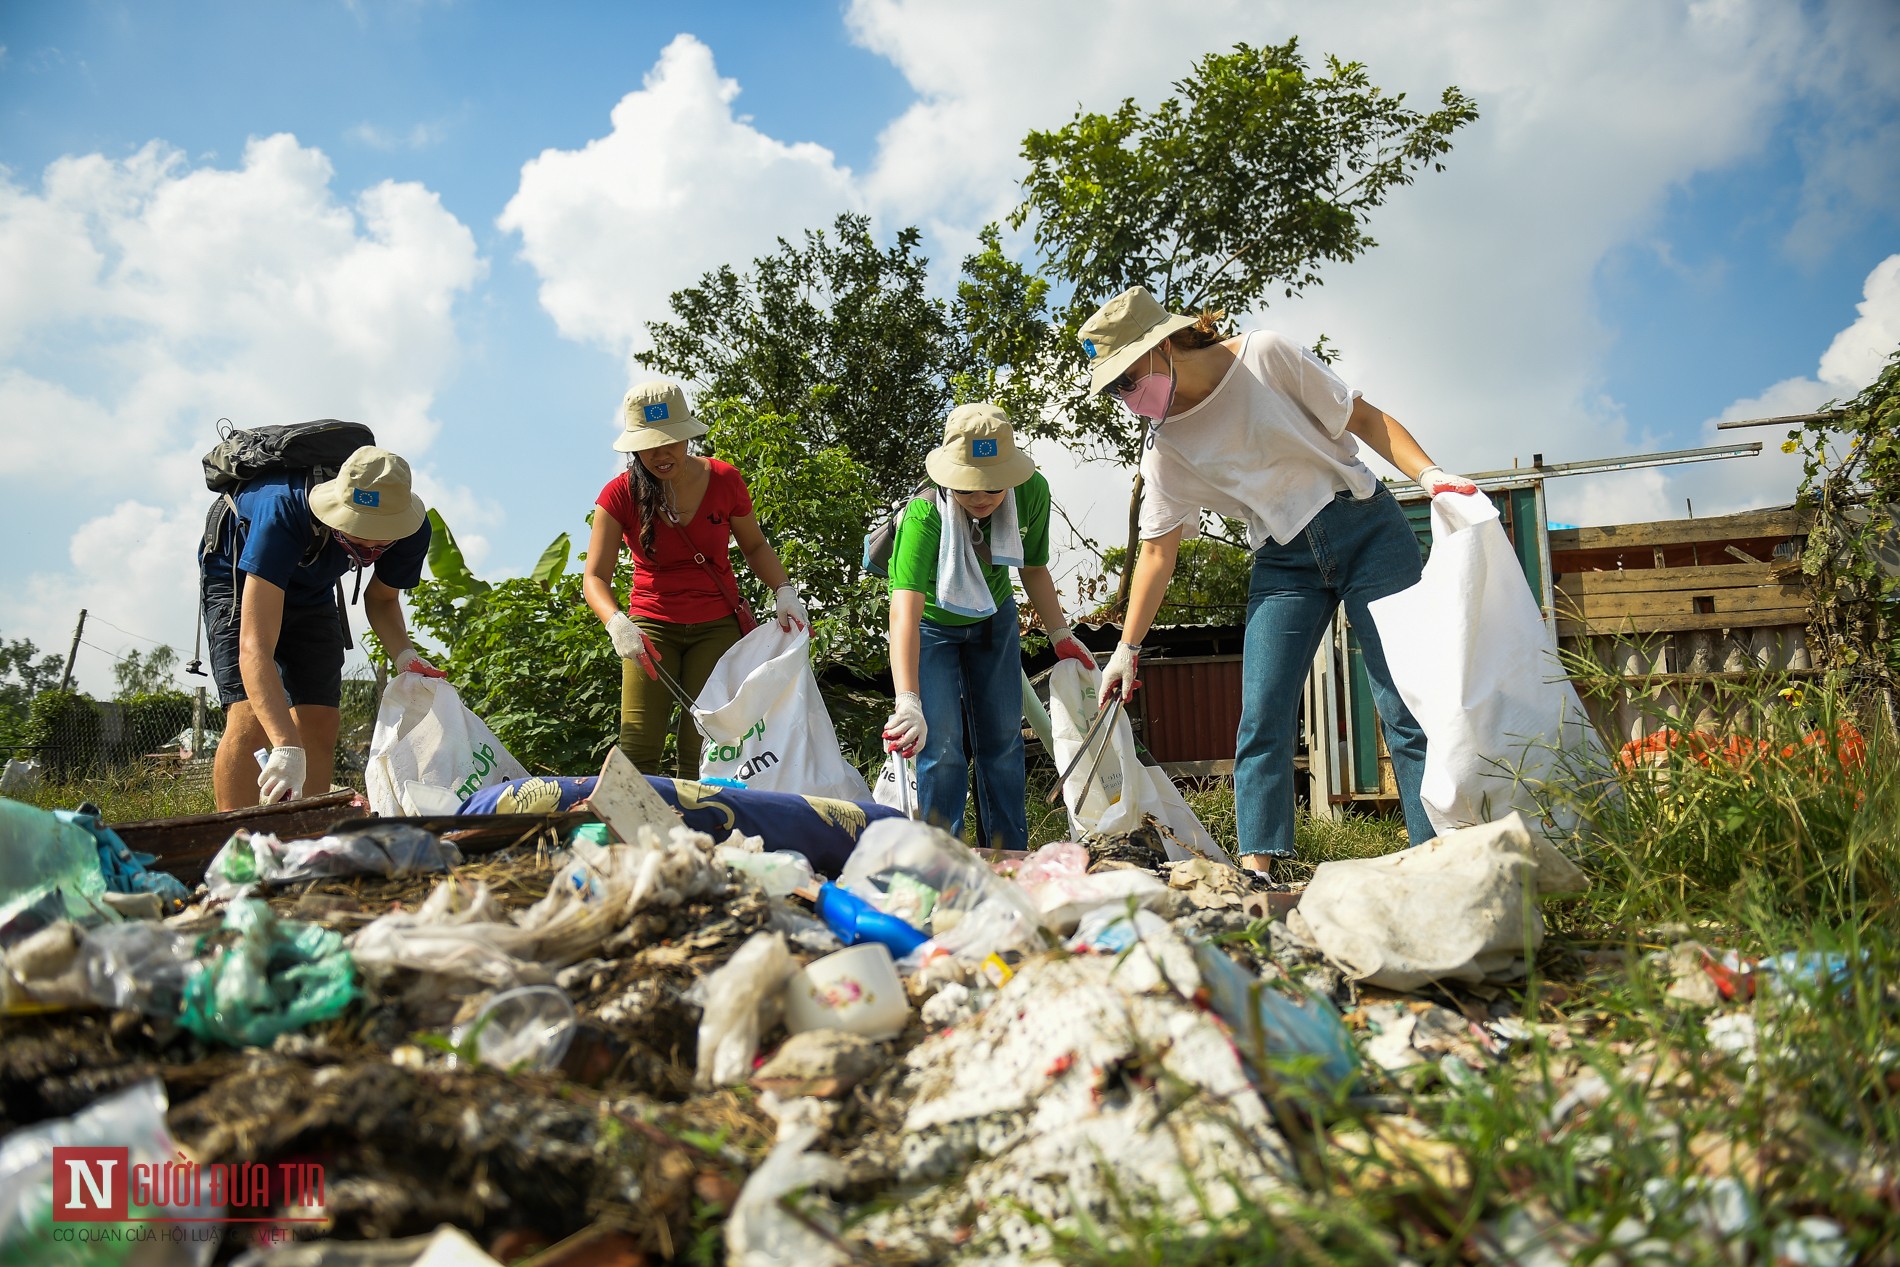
point(1352, 552)
point(974, 672)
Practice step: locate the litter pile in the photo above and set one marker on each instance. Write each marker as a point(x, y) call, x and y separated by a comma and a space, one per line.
point(626, 1041)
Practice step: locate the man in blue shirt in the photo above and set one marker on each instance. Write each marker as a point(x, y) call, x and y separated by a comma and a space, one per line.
point(269, 591)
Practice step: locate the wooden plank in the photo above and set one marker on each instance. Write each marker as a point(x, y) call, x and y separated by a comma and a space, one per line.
point(1760, 523)
point(1571, 606)
point(1568, 627)
point(1697, 579)
point(185, 846)
point(626, 802)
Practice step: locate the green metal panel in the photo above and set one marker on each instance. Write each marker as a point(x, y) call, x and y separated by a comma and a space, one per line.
point(1365, 720)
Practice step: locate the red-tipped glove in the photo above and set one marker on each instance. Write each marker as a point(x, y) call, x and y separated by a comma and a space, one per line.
point(632, 644)
point(407, 661)
point(1069, 647)
point(1436, 480)
point(904, 731)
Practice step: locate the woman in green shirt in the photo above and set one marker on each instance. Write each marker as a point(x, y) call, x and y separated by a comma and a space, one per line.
point(956, 658)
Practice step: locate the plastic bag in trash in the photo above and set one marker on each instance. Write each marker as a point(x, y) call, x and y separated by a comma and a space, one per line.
point(933, 881)
point(761, 1232)
point(780, 872)
point(741, 1001)
point(133, 1119)
point(280, 975)
point(124, 870)
point(1057, 879)
point(526, 1028)
point(1268, 1025)
point(139, 965)
point(387, 849)
point(42, 854)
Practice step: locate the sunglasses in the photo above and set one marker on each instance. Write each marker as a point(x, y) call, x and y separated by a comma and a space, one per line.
point(981, 492)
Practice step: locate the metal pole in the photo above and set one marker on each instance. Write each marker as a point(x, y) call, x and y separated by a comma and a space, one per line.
point(65, 679)
point(198, 726)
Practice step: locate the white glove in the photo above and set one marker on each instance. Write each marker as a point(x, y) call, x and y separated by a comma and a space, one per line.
point(904, 730)
point(1436, 480)
point(282, 777)
point(1068, 647)
point(789, 609)
point(631, 642)
point(1119, 677)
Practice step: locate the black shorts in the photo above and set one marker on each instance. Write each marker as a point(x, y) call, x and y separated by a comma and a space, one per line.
point(309, 651)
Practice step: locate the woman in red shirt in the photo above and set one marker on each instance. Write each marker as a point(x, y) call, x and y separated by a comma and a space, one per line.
point(676, 512)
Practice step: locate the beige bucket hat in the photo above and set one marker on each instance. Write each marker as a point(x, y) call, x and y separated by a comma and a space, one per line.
point(370, 498)
point(655, 413)
point(978, 452)
point(1121, 330)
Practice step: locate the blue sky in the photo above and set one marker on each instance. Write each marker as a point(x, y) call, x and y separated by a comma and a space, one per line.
point(452, 219)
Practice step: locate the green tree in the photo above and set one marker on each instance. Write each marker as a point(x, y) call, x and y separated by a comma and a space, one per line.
point(1851, 484)
point(1251, 180)
point(842, 338)
point(814, 504)
point(1209, 585)
point(24, 673)
point(150, 673)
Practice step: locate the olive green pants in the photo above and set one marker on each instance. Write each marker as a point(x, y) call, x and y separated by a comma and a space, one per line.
point(688, 652)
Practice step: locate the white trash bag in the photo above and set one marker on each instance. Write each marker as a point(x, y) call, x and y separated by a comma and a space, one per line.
point(1124, 791)
point(1463, 907)
point(762, 721)
point(888, 791)
point(1471, 656)
point(428, 753)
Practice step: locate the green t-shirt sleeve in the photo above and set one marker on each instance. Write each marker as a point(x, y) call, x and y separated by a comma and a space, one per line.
point(1032, 519)
point(913, 563)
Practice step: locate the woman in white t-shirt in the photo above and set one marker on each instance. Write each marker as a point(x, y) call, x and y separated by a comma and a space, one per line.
point(1258, 429)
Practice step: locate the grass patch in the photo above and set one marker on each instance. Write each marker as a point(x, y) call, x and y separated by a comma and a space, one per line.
point(1625, 1123)
point(132, 795)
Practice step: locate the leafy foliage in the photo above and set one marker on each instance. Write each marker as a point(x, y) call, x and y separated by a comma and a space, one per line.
point(814, 504)
point(1259, 173)
point(64, 726)
point(24, 673)
point(527, 655)
point(151, 673)
point(1209, 586)
point(1851, 483)
point(843, 336)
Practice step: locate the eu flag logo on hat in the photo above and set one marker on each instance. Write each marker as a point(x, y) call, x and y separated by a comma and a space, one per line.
point(366, 497)
point(1088, 345)
point(982, 448)
point(655, 413)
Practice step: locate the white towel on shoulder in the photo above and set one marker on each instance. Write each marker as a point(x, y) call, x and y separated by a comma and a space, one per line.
point(961, 585)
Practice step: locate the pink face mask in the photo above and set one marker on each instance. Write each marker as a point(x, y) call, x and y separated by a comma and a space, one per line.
point(1151, 395)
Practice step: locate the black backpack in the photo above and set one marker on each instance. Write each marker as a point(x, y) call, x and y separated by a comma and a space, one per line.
point(320, 447)
point(881, 540)
point(242, 454)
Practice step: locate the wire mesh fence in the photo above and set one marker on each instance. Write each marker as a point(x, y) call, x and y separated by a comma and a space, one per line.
point(169, 735)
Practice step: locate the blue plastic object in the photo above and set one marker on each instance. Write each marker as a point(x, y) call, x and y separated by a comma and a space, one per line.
point(855, 920)
point(720, 781)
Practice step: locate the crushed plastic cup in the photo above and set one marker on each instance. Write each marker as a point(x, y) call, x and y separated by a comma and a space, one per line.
point(525, 1028)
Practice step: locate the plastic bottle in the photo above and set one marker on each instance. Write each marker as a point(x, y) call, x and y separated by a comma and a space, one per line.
point(856, 920)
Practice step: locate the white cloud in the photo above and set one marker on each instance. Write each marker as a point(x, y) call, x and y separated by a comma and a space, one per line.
point(418, 136)
point(148, 298)
point(1852, 360)
point(678, 186)
point(1475, 321)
